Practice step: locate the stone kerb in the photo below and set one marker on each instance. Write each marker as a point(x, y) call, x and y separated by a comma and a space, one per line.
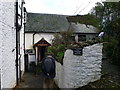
point(77, 70)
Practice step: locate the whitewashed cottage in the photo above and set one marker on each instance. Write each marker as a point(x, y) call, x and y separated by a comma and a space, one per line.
point(40, 30)
point(12, 21)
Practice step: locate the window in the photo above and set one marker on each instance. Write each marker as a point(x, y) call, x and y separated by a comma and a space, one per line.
point(73, 38)
point(81, 38)
point(29, 51)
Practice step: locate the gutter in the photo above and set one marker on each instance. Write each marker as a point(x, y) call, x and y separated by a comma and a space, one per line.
point(17, 82)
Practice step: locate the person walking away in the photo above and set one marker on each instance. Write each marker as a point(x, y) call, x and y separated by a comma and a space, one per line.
point(48, 69)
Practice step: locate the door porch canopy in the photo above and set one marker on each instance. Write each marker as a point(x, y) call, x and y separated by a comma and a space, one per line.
point(42, 42)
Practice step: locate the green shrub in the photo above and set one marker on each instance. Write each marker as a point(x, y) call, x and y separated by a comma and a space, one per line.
point(52, 50)
point(57, 51)
point(61, 47)
point(60, 55)
point(111, 50)
point(57, 39)
point(110, 47)
point(63, 41)
point(66, 37)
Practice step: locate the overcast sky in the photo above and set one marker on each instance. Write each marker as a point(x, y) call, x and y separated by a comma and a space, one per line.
point(65, 7)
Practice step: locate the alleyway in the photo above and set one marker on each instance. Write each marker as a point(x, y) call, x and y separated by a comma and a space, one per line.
point(111, 79)
point(37, 81)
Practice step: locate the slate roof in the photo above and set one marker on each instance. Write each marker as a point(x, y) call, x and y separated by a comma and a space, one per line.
point(46, 22)
point(81, 28)
point(37, 22)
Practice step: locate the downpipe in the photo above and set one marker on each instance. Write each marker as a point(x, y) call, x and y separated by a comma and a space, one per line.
point(17, 81)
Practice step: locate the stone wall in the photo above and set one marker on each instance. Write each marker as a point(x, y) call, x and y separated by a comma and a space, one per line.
point(78, 71)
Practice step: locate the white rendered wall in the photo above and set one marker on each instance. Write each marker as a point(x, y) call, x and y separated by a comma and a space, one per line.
point(8, 44)
point(78, 71)
point(22, 48)
point(29, 39)
point(0, 44)
point(47, 36)
point(31, 58)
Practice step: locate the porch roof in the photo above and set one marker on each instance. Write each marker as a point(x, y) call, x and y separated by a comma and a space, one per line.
point(42, 42)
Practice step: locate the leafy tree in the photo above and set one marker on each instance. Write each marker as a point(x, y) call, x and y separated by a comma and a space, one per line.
point(84, 19)
point(109, 17)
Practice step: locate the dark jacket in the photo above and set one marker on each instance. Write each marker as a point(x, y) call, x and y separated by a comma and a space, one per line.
point(48, 67)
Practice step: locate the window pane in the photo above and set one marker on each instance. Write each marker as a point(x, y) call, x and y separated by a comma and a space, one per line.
point(81, 37)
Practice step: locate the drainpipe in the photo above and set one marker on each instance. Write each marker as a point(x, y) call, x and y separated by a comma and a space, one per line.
point(24, 29)
point(17, 82)
point(20, 75)
point(24, 32)
point(21, 12)
point(33, 44)
point(34, 39)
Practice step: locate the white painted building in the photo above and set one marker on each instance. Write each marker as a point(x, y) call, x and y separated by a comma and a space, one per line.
point(38, 36)
point(8, 74)
point(46, 25)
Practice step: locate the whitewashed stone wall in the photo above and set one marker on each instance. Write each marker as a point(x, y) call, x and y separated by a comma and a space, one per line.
point(78, 71)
